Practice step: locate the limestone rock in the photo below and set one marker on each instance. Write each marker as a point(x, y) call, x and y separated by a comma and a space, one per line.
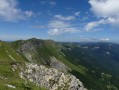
point(50, 78)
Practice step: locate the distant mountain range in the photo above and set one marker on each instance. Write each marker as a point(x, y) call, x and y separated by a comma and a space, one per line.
point(37, 64)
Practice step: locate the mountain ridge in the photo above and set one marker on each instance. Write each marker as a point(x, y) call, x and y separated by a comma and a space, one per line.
point(57, 55)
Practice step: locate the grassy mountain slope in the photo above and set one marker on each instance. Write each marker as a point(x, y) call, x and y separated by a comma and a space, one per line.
point(100, 59)
point(48, 48)
point(82, 60)
point(8, 76)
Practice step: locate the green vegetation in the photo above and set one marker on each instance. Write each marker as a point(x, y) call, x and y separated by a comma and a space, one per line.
point(93, 65)
point(101, 61)
point(8, 76)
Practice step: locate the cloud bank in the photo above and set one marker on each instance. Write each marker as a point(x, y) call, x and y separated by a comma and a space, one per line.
point(61, 25)
point(107, 10)
point(9, 11)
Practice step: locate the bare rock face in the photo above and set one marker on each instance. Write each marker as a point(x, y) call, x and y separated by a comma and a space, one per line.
point(28, 49)
point(58, 65)
point(50, 78)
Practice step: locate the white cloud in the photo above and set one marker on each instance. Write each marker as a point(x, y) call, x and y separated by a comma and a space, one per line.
point(67, 18)
point(104, 39)
point(92, 25)
point(29, 13)
point(107, 9)
point(58, 27)
point(9, 11)
point(77, 13)
point(85, 18)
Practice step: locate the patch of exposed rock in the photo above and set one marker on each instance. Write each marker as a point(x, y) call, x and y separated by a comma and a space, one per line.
point(58, 65)
point(10, 86)
point(28, 49)
point(50, 78)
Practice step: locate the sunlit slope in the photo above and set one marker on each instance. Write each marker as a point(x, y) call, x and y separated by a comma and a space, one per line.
point(8, 54)
point(9, 77)
point(42, 50)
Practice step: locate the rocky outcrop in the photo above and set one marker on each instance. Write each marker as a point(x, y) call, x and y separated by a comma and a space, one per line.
point(28, 49)
point(50, 78)
point(32, 49)
point(58, 65)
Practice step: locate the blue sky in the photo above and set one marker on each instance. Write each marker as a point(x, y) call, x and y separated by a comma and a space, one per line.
point(60, 20)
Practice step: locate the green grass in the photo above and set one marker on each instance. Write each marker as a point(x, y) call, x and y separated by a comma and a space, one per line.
point(51, 50)
point(6, 50)
point(7, 75)
point(79, 71)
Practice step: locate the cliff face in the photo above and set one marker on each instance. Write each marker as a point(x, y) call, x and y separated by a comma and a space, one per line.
point(50, 78)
